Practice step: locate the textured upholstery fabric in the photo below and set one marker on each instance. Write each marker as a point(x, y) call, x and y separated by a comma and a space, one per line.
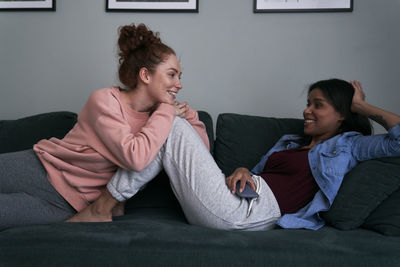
point(207, 120)
point(159, 237)
point(362, 191)
point(241, 140)
point(21, 134)
point(385, 218)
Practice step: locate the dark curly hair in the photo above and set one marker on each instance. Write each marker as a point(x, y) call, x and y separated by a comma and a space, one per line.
point(139, 47)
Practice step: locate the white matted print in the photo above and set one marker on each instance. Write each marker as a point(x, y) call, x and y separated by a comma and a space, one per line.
point(153, 5)
point(27, 5)
point(303, 6)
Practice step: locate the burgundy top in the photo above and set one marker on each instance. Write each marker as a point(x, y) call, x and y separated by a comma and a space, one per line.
point(289, 176)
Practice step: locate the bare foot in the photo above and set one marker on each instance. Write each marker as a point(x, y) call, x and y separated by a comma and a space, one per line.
point(99, 211)
point(90, 214)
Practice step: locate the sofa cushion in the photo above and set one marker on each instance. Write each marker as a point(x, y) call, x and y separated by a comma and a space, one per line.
point(362, 191)
point(241, 140)
point(385, 218)
point(21, 134)
point(160, 237)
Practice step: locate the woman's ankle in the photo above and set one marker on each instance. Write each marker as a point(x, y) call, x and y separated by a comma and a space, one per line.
point(104, 204)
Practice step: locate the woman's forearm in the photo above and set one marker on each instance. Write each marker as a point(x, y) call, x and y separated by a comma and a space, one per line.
point(383, 117)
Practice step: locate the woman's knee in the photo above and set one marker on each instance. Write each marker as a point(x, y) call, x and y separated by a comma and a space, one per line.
point(180, 122)
point(180, 125)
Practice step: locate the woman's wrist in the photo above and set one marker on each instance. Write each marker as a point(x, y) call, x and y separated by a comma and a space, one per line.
point(383, 117)
point(167, 108)
point(360, 107)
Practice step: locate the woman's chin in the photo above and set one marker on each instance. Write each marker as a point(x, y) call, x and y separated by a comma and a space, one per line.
point(307, 131)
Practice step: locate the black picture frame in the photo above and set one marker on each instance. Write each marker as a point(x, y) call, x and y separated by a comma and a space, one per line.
point(35, 5)
point(287, 6)
point(152, 6)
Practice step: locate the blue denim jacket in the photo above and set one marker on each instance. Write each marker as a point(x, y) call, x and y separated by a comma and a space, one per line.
point(329, 162)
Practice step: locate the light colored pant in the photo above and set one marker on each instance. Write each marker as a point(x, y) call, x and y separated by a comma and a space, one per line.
point(199, 185)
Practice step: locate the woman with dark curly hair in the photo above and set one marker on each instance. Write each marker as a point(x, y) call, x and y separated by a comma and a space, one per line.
point(119, 127)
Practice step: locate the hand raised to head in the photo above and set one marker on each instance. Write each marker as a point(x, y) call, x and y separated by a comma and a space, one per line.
point(358, 98)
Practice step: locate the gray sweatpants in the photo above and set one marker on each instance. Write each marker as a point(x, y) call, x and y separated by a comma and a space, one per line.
point(26, 196)
point(199, 185)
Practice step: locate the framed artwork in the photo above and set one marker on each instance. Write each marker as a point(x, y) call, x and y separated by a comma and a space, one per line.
point(261, 6)
point(153, 5)
point(22, 5)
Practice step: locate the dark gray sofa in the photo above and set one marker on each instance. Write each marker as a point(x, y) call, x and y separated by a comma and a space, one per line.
point(363, 226)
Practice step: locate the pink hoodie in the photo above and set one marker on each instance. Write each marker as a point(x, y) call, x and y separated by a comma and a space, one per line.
point(108, 135)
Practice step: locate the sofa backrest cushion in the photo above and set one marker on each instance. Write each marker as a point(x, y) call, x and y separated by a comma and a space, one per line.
point(21, 134)
point(207, 120)
point(241, 140)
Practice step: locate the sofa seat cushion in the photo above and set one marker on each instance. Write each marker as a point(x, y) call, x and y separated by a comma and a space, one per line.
point(161, 237)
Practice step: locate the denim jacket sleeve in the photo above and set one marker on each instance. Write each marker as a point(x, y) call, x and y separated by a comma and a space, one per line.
point(377, 146)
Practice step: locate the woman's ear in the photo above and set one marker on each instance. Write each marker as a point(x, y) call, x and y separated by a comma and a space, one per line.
point(341, 120)
point(144, 75)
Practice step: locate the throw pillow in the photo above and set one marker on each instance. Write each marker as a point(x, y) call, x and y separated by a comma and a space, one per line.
point(385, 218)
point(362, 190)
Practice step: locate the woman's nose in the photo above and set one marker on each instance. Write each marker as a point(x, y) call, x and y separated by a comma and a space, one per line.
point(307, 110)
point(178, 85)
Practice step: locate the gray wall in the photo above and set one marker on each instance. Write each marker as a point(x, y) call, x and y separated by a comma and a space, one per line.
point(232, 59)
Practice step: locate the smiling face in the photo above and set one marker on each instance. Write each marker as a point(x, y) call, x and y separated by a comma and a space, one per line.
point(321, 120)
point(164, 82)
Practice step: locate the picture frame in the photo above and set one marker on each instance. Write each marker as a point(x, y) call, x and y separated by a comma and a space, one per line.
point(279, 6)
point(31, 5)
point(152, 6)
